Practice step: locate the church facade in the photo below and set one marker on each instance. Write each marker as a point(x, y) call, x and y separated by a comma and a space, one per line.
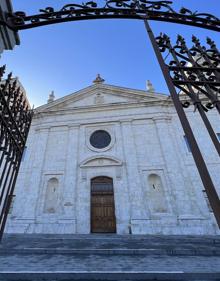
point(109, 159)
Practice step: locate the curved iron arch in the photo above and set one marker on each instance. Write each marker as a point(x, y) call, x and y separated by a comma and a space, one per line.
point(117, 9)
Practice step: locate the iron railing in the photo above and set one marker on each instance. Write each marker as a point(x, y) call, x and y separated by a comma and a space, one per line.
point(15, 120)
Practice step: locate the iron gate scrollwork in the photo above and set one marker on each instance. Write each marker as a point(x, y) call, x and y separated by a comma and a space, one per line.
point(195, 71)
point(197, 66)
point(15, 120)
point(127, 9)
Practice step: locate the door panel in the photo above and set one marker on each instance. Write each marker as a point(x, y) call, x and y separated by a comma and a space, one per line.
point(102, 206)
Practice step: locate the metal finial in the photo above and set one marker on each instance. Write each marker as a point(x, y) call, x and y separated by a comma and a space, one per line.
point(98, 80)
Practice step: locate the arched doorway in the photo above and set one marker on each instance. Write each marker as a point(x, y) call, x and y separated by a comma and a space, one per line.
point(102, 206)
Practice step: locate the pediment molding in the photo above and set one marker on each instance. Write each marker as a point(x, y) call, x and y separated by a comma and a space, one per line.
point(100, 161)
point(130, 95)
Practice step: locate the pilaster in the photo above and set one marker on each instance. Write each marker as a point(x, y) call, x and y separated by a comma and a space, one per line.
point(133, 176)
point(69, 196)
point(174, 168)
point(32, 187)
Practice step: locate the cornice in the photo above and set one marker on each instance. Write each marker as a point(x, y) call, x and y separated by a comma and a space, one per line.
point(109, 120)
point(103, 107)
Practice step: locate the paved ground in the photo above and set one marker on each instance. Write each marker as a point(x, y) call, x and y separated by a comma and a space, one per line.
point(45, 257)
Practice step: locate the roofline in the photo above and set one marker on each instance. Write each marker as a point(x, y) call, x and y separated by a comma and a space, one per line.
point(91, 87)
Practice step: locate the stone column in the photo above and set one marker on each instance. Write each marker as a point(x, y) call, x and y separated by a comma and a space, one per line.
point(174, 166)
point(131, 165)
point(8, 38)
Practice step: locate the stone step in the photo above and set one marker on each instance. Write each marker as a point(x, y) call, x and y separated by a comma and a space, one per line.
point(111, 244)
point(111, 276)
point(211, 239)
point(150, 251)
point(125, 239)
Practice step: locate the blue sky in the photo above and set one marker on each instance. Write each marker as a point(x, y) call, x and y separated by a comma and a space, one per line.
point(66, 57)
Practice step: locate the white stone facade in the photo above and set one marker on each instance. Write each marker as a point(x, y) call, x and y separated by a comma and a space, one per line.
point(157, 189)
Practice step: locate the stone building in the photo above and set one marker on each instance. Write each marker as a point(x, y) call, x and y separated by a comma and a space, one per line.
point(115, 160)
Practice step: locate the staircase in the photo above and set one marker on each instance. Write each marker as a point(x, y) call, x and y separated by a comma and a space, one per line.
point(109, 257)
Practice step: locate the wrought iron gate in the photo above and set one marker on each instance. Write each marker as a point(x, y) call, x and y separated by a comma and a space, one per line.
point(15, 120)
point(195, 71)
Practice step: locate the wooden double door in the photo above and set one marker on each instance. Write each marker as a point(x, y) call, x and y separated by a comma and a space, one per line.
point(102, 206)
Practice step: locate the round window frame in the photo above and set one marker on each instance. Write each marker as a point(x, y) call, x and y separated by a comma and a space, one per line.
point(100, 149)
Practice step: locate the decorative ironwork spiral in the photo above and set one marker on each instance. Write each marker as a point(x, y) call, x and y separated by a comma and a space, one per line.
point(195, 70)
point(133, 9)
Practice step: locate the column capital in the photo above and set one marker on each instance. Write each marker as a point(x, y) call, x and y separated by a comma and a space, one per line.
point(44, 129)
point(162, 118)
point(74, 126)
point(126, 121)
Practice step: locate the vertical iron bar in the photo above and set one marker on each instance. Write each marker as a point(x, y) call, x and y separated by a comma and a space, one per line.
point(200, 163)
point(10, 165)
point(210, 130)
point(7, 201)
point(15, 121)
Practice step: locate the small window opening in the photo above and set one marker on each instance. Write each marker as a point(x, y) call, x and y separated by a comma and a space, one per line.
point(207, 201)
point(187, 144)
point(24, 153)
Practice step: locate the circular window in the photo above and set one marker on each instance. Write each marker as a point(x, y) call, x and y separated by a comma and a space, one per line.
point(100, 139)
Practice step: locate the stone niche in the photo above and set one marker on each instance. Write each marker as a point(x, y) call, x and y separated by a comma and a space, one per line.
point(51, 197)
point(156, 194)
point(51, 202)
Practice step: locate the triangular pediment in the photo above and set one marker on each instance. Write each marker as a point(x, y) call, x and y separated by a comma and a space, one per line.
point(101, 95)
